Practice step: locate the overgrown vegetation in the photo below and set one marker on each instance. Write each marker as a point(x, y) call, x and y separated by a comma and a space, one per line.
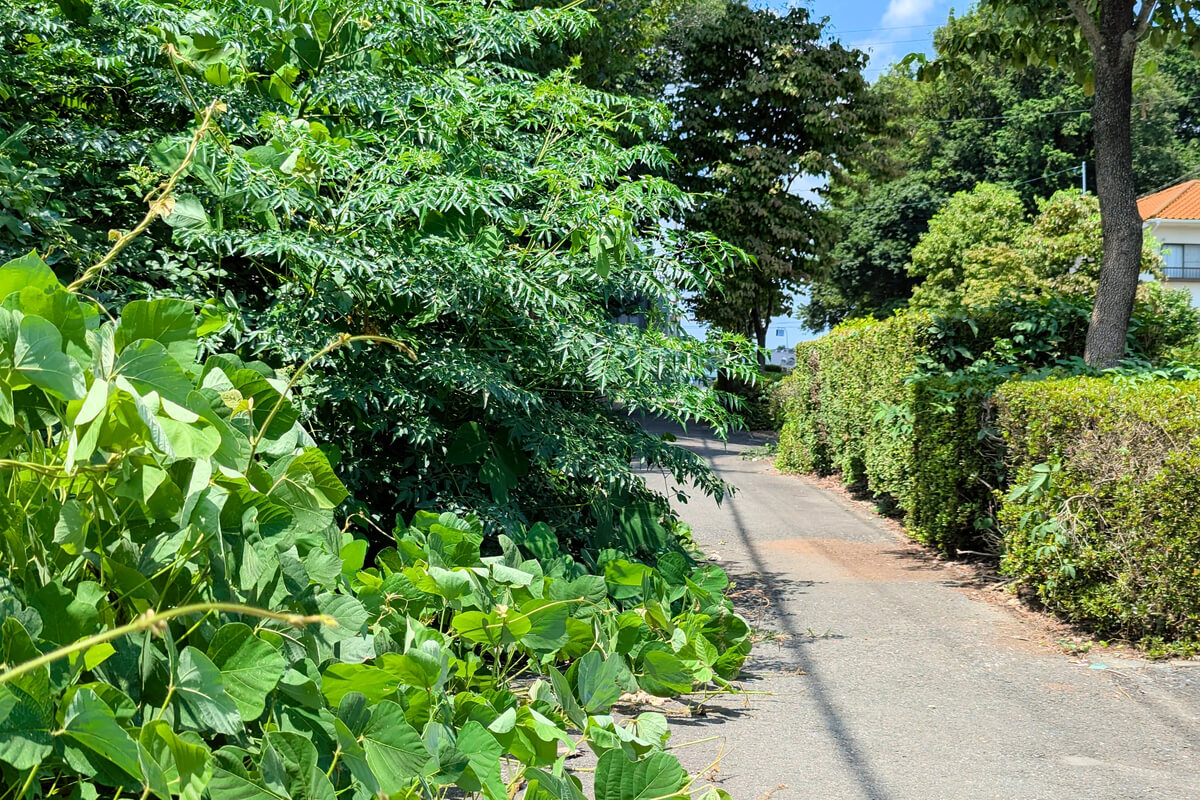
point(154, 506)
point(378, 169)
point(316, 480)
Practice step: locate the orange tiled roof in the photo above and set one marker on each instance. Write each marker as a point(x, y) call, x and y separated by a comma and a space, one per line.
point(1178, 202)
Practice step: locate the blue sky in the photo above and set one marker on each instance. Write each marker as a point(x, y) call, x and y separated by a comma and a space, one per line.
point(886, 29)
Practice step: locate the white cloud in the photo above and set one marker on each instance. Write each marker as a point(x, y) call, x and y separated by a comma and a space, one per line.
point(906, 12)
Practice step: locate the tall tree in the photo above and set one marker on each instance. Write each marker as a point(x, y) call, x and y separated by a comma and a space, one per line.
point(1098, 40)
point(763, 101)
point(976, 117)
point(627, 48)
point(867, 272)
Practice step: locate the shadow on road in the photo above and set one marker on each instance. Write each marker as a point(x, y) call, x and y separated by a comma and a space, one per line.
point(797, 642)
point(776, 590)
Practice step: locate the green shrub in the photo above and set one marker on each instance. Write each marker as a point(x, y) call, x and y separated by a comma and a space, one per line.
point(1104, 519)
point(180, 616)
point(754, 399)
point(901, 406)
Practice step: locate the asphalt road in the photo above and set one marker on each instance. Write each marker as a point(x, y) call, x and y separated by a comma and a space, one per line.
point(884, 679)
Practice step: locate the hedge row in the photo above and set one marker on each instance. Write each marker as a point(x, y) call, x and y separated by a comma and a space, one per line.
point(852, 406)
point(1089, 486)
point(1104, 519)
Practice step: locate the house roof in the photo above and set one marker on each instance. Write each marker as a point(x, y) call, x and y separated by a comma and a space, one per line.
point(1181, 201)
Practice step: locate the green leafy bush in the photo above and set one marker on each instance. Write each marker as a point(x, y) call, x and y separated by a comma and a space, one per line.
point(902, 406)
point(753, 403)
point(1102, 520)
point(380, 168)
point(181, 617)
point(981, 248)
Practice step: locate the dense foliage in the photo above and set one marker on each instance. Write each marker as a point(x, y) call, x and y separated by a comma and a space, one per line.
point(763, 101)
point(376, 168)
point(901, 406)
point(981, 246)
point(979, 118)
point(153, 507)
point(332, 245)
point(1101, 521)
point(629, 48)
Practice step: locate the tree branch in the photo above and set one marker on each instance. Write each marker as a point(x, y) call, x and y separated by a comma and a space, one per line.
point(1091, 31)
point(1143, 18)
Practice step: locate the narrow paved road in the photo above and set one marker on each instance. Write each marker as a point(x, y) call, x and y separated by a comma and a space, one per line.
point(888, 682)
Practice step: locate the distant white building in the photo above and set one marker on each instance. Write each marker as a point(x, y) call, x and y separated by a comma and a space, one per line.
point(1173, 216)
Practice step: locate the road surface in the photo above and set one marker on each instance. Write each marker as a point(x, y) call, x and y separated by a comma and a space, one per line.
point(885, 680)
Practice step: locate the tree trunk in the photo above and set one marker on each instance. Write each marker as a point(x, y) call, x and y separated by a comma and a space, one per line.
point(1119, 220)
point(758, 329)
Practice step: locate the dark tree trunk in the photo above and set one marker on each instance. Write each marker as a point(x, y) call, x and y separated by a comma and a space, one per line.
point(1113, 43)
point(758, 330)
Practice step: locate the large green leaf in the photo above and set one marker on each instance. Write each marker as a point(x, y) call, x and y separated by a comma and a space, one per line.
point(183, 767)
point(68, 615)
point(200, 695)
point(39, 358)
point(25, 732)
point(148, 367)
point(89, 725)
point(395, 752)
point(171, 323)
point(548, 625)
point(60, 308)
point(656, 777)
point(542, 785)
point(250, 668)
point(25, 738)
point(289, 768)
point(664, 674)
point(418, 667)
point(599, 681)
point(24, 272)
point(231, 779)
point(375, 683)
point(188, 214)
point(483, 756)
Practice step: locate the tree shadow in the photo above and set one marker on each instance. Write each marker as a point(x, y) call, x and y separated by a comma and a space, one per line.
point(774, 590)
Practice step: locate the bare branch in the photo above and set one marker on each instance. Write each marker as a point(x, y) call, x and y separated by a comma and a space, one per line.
point(1091, 31)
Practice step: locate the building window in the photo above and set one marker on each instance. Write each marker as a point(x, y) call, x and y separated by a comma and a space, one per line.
point(1182, 261)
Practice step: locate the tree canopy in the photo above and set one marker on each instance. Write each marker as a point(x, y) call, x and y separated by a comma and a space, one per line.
point(763, 102)
point(972, 115)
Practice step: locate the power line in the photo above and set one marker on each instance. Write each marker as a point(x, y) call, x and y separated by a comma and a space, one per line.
point(1032, 114)
point(893, 28)
point(893, 41)
point(1173, 181)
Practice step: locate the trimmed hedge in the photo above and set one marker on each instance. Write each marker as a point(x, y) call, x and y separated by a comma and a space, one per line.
point(902, 405)
point(1105, 518)
point(853, 407)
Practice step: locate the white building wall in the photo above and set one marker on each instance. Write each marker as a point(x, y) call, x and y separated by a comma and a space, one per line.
point(1173, 231)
